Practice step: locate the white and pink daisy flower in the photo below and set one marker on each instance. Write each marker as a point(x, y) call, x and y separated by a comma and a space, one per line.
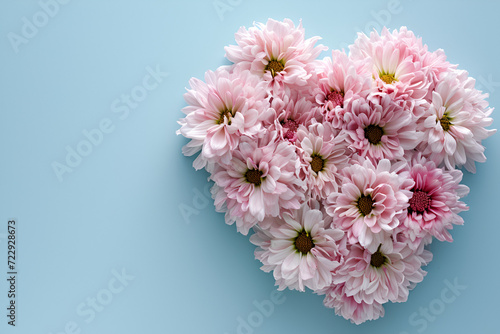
point(277, 52)
point(338, 83)
point(396, 67)
point(435, 202)
point(220, 111)
point(260, 180)
point(347, 307)
point(399, 63)
point(386, 274)
point(380, 128)
point(369, 202)
point(456, 121)
point(323, 153)
point(300, 249)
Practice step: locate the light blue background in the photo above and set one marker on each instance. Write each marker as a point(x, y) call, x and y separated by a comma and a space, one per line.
point(120, 208)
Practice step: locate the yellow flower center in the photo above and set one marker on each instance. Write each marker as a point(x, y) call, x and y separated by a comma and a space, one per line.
point(388, 78)
point(275, 66)
point(445, 122)
point(226, 113)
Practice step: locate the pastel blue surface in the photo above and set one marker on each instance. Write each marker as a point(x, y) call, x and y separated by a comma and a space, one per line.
point(104, 248)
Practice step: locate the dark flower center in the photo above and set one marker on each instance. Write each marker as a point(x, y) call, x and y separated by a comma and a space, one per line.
point(274, 66)
point(387, 78)
point(445, 122)
point(317, 163)
point(254, 176)
point(378, 259)
point(337, 98)
point(304, 242)
point(226, 113)
point(365, 204)
point(420, 201)
point(374, 134)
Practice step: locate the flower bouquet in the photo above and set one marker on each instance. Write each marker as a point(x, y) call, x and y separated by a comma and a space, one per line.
point(345, 168)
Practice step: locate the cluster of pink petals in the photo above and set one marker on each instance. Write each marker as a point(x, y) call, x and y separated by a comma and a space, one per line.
point(319, 140)
point(288, 113)
point(278, 190)
point(347, 307)
point(276, 41)
point(380, 113)
point(292, 268)
point(391, 281)
point(465, 113)
point(401, 56)
point(344, 168)
point(219, 112)
point(388, 194)
point(339, 81)
point(435, 202)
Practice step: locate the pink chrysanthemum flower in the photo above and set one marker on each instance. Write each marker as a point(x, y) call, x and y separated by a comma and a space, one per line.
point(219, 112)
point(400, 64)
point(369, 202)
point(288, 114)
point(277, 52)
point(435, 201)
point(260, 180)
point(396, 66)
point(347, 307)
point(380, 128)
point(456, 121)
point(338, 83)
point(323, 155)
point(386, 274)
point(300, 249)
point(433, 63)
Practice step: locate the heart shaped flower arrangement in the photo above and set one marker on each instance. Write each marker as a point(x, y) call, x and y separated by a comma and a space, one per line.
point(345, 167)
